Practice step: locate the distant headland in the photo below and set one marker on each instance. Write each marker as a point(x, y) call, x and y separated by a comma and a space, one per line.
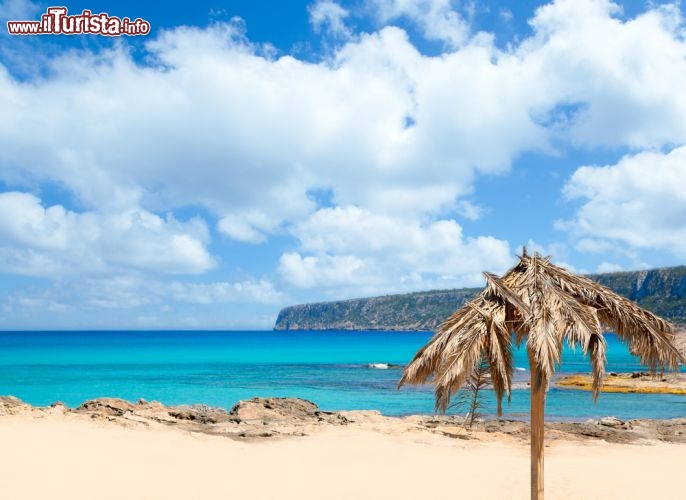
point(662, 291)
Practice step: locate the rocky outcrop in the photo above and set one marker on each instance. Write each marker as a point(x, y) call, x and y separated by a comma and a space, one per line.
point(275, 409)
point(662, 291)
point(637, 382)
point(262, 418)
point(9, 405)
point(255, 418)
point(202, 414)
point(106, 406)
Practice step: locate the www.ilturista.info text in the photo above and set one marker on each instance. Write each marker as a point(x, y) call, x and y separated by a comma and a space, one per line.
point(56, 21)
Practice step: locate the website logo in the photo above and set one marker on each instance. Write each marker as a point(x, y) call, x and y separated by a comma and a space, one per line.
point(57, 21)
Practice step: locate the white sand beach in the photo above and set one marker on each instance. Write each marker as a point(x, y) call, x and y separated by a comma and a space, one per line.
point(57, 455)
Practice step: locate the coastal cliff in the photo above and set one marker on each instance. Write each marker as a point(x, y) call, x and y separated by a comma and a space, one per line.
point(662, 291)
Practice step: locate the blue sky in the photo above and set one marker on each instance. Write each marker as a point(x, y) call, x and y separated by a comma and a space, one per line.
point(245, 156)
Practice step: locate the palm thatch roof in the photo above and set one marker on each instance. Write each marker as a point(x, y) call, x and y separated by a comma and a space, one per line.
point(546, 305)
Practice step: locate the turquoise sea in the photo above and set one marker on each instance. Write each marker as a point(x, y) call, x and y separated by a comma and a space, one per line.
point(330, 368)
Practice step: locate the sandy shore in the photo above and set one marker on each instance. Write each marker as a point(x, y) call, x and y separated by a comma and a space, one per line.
point(56, 453)
point(62, 458)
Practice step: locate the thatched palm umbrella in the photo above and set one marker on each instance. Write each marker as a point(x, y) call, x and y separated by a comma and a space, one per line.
point(545, 304)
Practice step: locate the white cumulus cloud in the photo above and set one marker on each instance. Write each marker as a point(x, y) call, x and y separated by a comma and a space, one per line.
point(639, 202)
point(330, 16)
point(202, 118)
point(53, 241)
point(437, 19)
point(213, 122)
point(261, 291)
point(608, 82)
point(351, 247)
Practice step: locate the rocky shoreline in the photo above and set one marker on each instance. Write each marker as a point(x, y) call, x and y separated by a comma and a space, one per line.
point(262, 418)
point(637, 382)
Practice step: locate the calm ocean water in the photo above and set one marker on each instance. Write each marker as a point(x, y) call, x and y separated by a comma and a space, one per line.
point(329, 368)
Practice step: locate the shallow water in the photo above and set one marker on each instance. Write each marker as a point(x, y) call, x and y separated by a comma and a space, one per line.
point(329, 368)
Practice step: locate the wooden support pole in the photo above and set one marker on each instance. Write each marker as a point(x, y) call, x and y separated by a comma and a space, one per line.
point(537, 432)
